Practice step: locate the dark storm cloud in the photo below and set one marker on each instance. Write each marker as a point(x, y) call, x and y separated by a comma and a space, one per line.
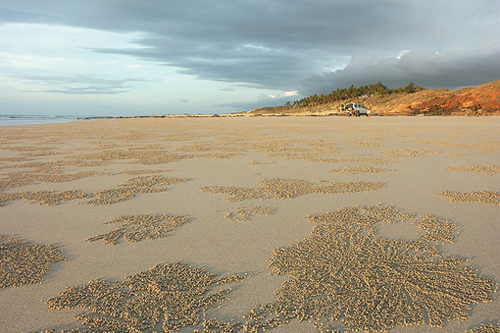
point(278, 43)
point(431, 70)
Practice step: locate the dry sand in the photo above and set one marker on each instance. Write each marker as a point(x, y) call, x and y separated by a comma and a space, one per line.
point(377, 222)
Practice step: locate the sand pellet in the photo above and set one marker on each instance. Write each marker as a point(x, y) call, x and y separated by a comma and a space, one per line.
point(245, 213)
point(483, 197)
point(173, 296)
point(132, 187)
point(477, 168)
point(125, 191)
point(281, 188)
point(485, 328)
point(355, 170)
point(409, 152)
point(22, 262)
point(135, 228)
point(343, 272)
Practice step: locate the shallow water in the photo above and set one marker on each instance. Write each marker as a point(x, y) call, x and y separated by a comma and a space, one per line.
point(11, 120)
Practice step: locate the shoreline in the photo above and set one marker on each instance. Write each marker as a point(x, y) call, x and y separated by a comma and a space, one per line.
point(40, 120)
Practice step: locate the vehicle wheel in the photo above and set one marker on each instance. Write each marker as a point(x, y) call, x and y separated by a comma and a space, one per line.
point(357, 113)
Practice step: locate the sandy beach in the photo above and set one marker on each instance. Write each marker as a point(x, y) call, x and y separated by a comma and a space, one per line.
point(282, 224)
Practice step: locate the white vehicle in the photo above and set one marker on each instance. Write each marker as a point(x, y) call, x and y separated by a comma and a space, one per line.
point(355, 109)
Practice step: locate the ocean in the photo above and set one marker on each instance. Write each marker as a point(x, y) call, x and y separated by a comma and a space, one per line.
point(10, 119)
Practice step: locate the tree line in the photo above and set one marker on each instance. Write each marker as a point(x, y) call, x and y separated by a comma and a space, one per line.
point(352, 93)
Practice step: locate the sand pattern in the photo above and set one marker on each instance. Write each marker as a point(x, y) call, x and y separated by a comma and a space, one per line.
point(281, 188)
point(372, 160)
point(409, 152)
point(132, 187)
point(53, 167)
point(14, 159)
point(311, 150)
point(208, 147)
point(220, 156)
point(304, 156)
point(245, 213)
point(23, 263)
point(139, 172)
point(489, 169)
point(355, 170)
point(261, 162)
point(344, 272)
point(145, 157)
point(125, 191)
point(479, 147)
point(489, 146)
point(483, 197)
point(485, 328)
point(173, 295)
point(28, 148)
point(316, 157)
point(17, 179)
point(49, 198)
point(365, 142)
point(347, 275)
point(135, 228)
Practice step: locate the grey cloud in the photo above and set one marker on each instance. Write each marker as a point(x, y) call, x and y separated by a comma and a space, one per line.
point(15, 15)
point(81, 84)
point(84, 91)
point(449, 69)
point(278, 43)
point(227, 89)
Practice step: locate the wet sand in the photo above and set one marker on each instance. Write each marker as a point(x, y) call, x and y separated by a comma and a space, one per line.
point(250, 206)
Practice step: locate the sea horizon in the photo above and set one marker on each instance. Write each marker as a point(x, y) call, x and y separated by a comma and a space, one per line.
point(17, 119)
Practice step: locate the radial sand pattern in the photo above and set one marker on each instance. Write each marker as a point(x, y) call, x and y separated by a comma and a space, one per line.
point(280, 188)
point(173, 296)
point(343, 272)
point(25, 263)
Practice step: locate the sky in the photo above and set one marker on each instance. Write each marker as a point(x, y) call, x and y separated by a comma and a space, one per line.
point(129, 57)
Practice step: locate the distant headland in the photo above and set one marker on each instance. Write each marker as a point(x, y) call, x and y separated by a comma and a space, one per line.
point(483, 100)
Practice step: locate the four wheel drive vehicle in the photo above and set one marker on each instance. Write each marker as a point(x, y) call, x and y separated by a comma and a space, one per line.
point(355, 109)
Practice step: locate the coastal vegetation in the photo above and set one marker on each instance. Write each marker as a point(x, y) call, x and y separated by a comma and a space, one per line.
point(343, 94)
point(411, 100)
